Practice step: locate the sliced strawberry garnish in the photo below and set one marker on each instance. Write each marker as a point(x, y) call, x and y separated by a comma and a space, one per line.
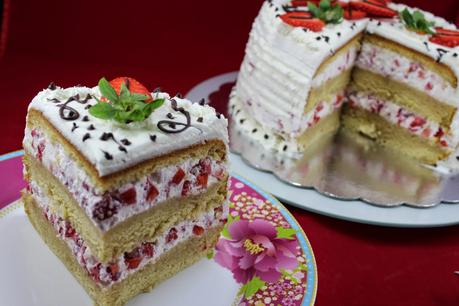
point(374, 8)
point(152, 193)
point(133, 85)
point(198, 230)
point(445, 37)
point(201, 180)
point(298, 3)
point(129, 196)
point(178, 177)
point(303, 20)
point(172, 235)
point(353, 14)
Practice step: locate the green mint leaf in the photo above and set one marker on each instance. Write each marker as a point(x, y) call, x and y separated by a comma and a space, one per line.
point(324, 5)
point(107, 90)
point(157, 103)
point(315, 11)
point(124, 92)
point(102, 110)
point(417, 22)
point(139, 97)
point(286, 233)
point(253, 286)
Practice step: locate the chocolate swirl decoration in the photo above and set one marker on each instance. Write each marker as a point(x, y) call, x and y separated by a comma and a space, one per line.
point(174, 127)
point(69, 113)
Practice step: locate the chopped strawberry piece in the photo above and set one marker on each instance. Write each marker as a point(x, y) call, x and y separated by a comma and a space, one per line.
point(132, 259)
point(172, 235)
point(95, 272)
point(69, 231)
point(426, 133)
point(104, 209)
point(206, 166)
point(40, 150)
point(147, 249)
point(374, 8)
point(428, 86)
point(218, 212)
point(186, 188)
point(201, 180)
point(303, 20)
point(114, 271)
point(439, 133)
point(129, 196)
point(443, 143)
point(178, 177)
point(198, 230)
point(152, 193)
point(418, 121)
point(133, 85)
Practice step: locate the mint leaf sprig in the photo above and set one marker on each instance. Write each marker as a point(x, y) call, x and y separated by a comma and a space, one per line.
point(124, 108)
point(327, 12)
point(417, 22)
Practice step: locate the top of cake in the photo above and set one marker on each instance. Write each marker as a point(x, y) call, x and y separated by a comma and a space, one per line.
point(322, 36)
point(111, 146)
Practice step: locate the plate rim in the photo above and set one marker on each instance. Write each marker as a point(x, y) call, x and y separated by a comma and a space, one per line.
point(309, 296)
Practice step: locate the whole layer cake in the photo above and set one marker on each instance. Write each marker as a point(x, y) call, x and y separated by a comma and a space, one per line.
point(394, 68)
point(125, 186)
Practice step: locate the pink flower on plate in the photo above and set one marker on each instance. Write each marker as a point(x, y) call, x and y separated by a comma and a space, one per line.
point(255, 250)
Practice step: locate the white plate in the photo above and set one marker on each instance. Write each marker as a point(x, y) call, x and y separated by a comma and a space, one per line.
point(357, 211)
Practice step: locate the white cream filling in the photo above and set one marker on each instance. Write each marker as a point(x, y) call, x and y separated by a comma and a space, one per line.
point(394, 66)
point(101, 272)
point(78, 183)
point(402, 117)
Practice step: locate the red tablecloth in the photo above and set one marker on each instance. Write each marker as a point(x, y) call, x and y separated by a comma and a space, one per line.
point(176, 44)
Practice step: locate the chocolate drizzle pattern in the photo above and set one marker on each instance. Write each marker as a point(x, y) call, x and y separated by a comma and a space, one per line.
point(110, 136)
point(69, 113)
point(170, 126)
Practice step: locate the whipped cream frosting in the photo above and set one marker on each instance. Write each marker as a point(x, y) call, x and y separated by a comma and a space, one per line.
point(111, 147)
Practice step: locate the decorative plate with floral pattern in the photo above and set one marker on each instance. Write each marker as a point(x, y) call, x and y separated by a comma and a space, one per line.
point(262, 257)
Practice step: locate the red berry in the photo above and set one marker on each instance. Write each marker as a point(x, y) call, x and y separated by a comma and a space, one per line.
point(418, 121)
point(186, 188)
point(352, 14)
point(129, 197)
point(95, 272)
point(445, 37)
point(439, 133)
point(133, 85)
point(40, 150)
point(201, 180)
point(114, 270)
point(132, 259)
point(152, 193)
point(303, 20)
point(198, 230)
point(147, 249)
point(172, 235)
point(178, 177)
point(69, 231)
point(206, 166)
point(374, 8)
point(104, 209)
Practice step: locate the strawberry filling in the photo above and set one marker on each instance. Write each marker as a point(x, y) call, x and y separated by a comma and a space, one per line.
point(147, 252)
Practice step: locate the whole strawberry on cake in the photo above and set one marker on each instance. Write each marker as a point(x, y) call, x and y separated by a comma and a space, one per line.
point(372, 67)
point(126, 187)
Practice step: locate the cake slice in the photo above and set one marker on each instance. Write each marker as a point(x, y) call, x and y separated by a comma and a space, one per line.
point(126, 187)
